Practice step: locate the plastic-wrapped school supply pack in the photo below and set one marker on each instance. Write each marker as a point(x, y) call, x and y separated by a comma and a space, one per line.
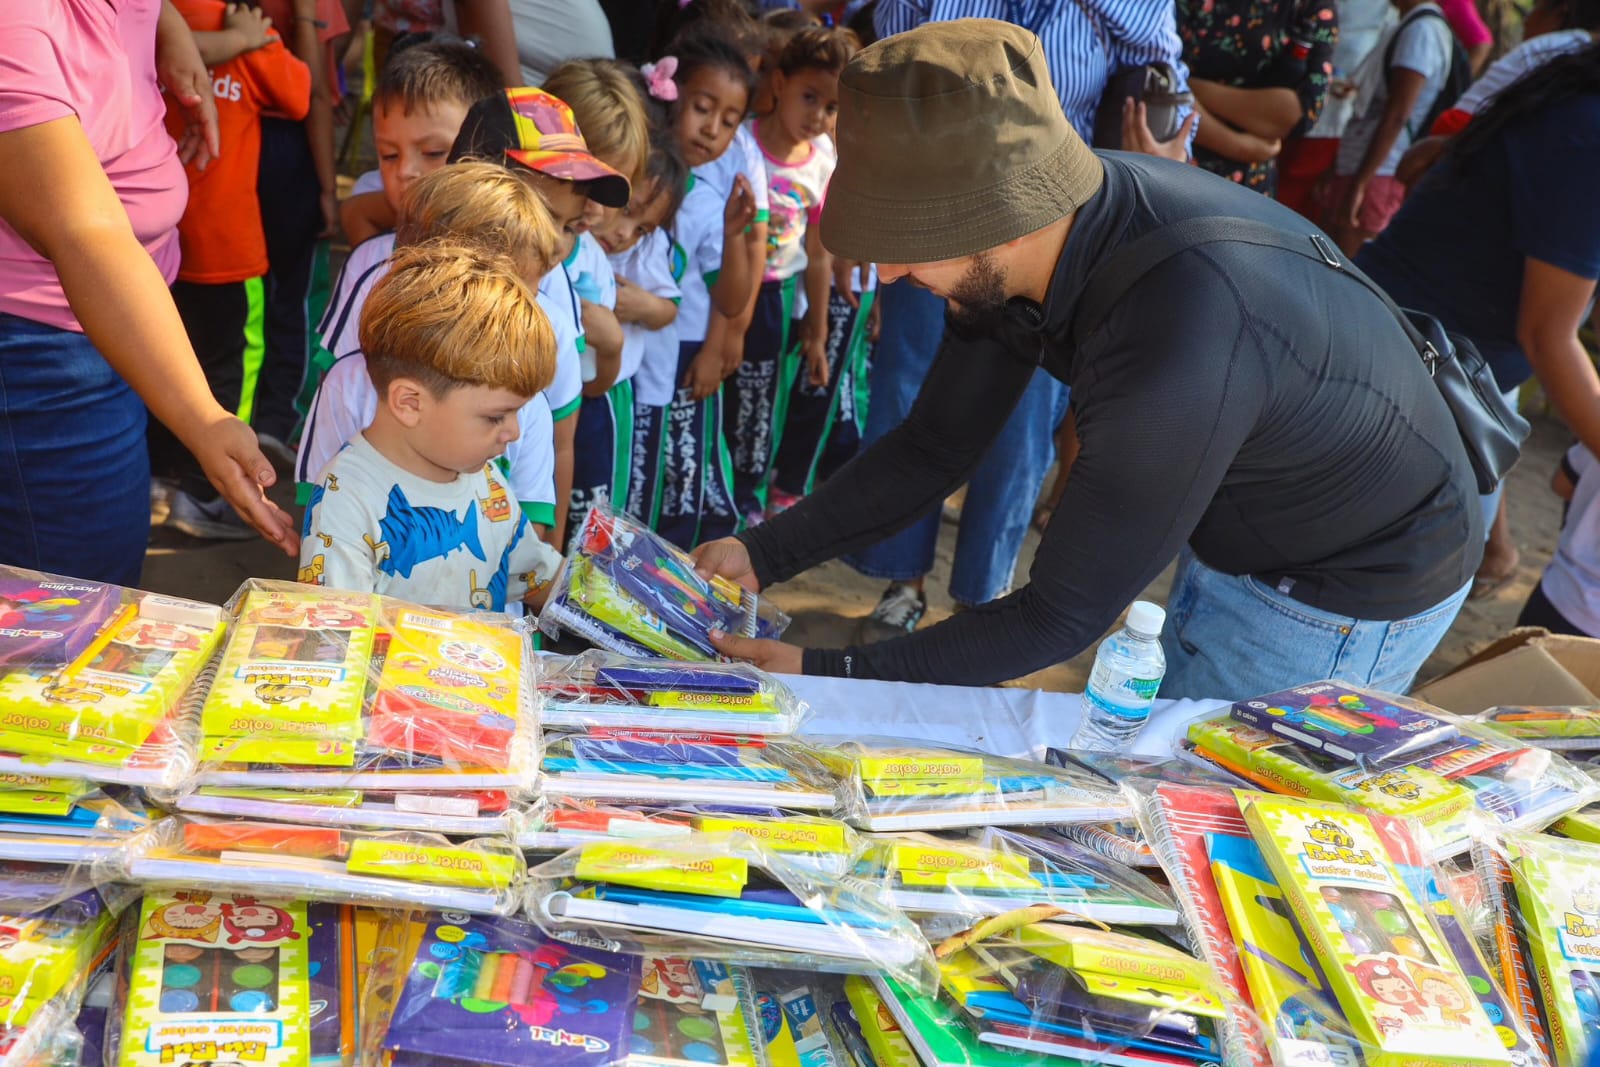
point(625, 589)
point(91, 678)
point(603, 689)
point(891, 785)
point(344, 709)
point(720, 896)
point(1391, 756)
point(390, 868)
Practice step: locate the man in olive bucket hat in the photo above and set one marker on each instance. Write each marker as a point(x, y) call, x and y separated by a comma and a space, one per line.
point(1245, 404)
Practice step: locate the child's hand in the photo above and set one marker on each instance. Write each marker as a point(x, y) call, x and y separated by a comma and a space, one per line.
point(816, 353)
point(741, 208)
point(250, 23)
point(536, 595)
point(705, 373)
point(633, 303)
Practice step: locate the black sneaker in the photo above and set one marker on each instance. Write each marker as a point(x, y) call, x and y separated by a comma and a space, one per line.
point(899, 611)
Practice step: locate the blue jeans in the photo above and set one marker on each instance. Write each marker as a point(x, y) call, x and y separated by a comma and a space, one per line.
point(74, 473)
point(1235, 637)
point(1002, 491)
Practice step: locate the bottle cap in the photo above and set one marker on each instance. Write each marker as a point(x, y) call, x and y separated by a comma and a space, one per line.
point(1146, 618)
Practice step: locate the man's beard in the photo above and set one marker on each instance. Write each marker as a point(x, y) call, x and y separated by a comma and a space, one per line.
point(978, 301)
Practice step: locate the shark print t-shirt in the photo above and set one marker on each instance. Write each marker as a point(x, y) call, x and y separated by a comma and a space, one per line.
point(464, 544)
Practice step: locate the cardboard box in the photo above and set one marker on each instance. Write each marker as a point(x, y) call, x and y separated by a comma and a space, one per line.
point(1529, 666)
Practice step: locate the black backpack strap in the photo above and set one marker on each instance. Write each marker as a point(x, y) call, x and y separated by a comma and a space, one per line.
point(1111, 282)
point(1413, 16)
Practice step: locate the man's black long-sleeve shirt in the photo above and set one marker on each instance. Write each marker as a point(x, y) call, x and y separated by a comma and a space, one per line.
point(1255, 403)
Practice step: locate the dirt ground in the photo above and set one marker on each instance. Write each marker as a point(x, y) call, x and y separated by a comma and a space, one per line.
point(827, 601)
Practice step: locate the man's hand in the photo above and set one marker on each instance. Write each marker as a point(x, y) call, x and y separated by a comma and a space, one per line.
point(774, 656)
point(183, 75)
point(1136, 135)
point(231, 457)
point(726, 558)
point(253, 26)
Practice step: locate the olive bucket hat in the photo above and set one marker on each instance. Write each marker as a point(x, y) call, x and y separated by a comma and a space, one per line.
point(951, 140)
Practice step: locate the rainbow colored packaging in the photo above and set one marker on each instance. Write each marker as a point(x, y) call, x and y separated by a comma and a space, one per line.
point(1356, 725)
point(219, 979)
point(47, 620)
point(626, 589)
point(1400, 989)
point(295, 669)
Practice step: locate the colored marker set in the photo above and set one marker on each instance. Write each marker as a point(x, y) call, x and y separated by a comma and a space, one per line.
point(625, 589)
point(1557, 728)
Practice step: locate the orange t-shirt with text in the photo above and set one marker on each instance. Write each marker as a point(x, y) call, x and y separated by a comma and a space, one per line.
point(221, 233)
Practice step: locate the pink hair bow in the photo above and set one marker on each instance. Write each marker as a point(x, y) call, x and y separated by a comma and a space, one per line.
point(658, 78)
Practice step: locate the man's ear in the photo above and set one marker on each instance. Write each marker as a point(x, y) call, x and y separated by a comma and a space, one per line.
point(407, 399)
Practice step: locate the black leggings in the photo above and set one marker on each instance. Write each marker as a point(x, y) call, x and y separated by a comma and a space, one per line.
point(1538, 611)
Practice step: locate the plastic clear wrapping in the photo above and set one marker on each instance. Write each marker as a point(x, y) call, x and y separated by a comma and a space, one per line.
point(795, 1013)
point(347, 709)
point(892, 785)
point(1545, 897)
point(1561, 728)
point(1041, 990)
point(625, 589)
point(602, 688)
point(83, 824)
point(809, 840)
point(996, 870)
point(1331, 924)
point(681, 767)
point(46, 958)
point(722, 897)
point(453, 989)
point(389, 868)
point(1327, 741)
point(91, 676)
point(209, 977)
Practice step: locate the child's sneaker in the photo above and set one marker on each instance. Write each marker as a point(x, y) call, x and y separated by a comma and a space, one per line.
point(214, 521)
point(778, 501)
point(896, 615)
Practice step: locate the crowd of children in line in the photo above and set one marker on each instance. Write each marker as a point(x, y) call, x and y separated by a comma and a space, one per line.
point(607, 289)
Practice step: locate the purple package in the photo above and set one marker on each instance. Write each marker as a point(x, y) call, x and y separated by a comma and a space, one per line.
point(497, 991)
point(1354, 725)
point(96, 1008)
point(330, 954)
point(47, 621)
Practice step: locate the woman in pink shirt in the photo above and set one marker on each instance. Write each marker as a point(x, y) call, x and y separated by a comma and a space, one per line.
point(90, 198)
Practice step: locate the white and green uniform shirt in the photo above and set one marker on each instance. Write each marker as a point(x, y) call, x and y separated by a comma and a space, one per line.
point(650, 357)
point(463, 544)
point(559, 301)
point(698, 231)
point(743, 156)
point(592, 279)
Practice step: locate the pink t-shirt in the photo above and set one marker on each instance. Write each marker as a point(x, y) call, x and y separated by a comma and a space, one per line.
point(1464, 20)
point(94, 59)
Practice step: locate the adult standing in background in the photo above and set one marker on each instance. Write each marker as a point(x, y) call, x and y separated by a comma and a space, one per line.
point(1259, 70)
point(1085, 42)
point(487, 20)
point(550, 32)
point(90, 198)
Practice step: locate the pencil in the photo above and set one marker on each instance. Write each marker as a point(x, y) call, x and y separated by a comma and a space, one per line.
point(98, 645)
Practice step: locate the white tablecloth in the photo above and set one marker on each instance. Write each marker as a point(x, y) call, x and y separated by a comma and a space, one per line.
point(1007, 722)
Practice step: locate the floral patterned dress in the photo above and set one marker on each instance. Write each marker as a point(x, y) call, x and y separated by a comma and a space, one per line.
point(1258, 44)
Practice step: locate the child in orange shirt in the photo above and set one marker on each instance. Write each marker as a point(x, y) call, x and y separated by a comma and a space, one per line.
point(219, 290)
